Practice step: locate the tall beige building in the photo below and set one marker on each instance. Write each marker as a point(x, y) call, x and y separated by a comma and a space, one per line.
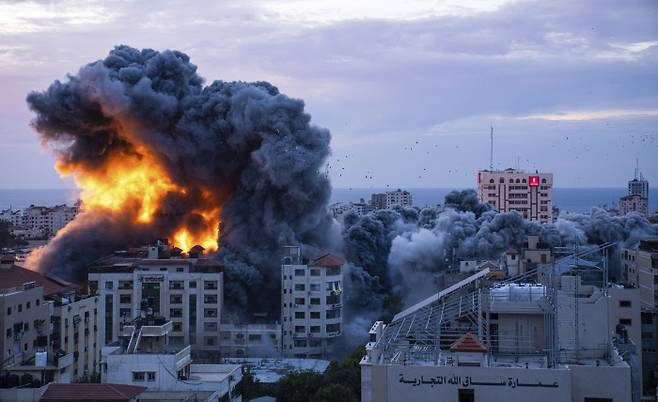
point(311, 299)
point(530, 194)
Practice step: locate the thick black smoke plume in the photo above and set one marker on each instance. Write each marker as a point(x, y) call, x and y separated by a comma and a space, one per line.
point(252, 147)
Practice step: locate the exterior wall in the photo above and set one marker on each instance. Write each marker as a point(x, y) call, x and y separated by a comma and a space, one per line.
point(511, 190)
point(414, 383)
point(25, 317)
point(426, 383)
point(600, 382)
point(520, 333)
point(633, 203)
point(176, 286)
point(75, 330)
point(311, 308)
point(250, 340)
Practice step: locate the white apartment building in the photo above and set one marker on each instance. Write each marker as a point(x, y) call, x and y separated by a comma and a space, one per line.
point(11, 216)
point(505, 342)
point(75, 330)
point(530, 194)
point(311, 303)
point(25, 325)
point(145, 357)
point(186, 290)
point(391, 199)
point(639, 185)
point(49, 220)
point(633, 203)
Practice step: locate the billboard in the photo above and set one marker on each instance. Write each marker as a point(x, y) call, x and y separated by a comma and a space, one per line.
point(533, 181)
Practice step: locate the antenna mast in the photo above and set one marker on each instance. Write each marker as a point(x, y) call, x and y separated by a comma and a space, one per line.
point(491, 148)
point(637, 167)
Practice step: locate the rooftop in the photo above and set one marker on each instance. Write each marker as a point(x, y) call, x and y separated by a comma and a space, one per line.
point(91, 392)
point(15, 276)
point(327, 260)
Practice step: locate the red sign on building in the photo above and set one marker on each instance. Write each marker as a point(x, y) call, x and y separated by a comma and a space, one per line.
point(533, 181)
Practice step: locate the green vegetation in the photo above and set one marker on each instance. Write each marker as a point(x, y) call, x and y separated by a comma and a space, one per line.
point(340, 382)
point(6, 239)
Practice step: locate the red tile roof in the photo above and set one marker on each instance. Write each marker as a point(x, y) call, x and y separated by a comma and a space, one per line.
point(91, 392)
point(468, 343)
point(15, 276)
point(327, 260)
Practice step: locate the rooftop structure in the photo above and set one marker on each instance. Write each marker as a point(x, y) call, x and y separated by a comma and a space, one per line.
point(144, 357)
point(510, 340)
point(91, 393)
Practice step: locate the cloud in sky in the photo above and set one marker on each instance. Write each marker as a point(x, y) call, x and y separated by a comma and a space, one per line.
point(382, 77)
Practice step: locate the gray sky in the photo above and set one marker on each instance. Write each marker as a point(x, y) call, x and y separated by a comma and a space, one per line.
point(408, 89)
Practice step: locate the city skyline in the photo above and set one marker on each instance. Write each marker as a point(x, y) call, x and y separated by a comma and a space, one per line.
point(569, 89)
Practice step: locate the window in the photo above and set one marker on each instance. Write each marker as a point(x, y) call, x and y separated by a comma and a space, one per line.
point(8, 310)
point(150, 376)
point(624, 303)
point(175, 312)
point(210, 285)
point(300, 328)
point(109, 285)
point(315, 300)
point(300, 287)
point(646, 319)
point(125, 299)
point(625, 321)
point(210, 312)
point(175, 299)
point(315, 287)
point(333, 299)
point(125, 285)
point(315, 315)
point(138, 376)
point(210, 340)
point(27, 305)
point(333, 328)
point(178, 326)
point(299, 272)
point(300, 343)
point(125, 312)
point(466, 395)
point(300, 301)
point(315, 329)
point(333, 271)
point(8, 332)
point(20, 308)
point(333, 314)
point(192, 284)
point(176, 285)
point(210, 326)
point(210, 299)
point(315, 272)
point(300, 314)
point(255, 337)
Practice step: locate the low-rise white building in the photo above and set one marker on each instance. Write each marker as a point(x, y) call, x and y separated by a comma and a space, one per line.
point(143, 356)
point(241, 340)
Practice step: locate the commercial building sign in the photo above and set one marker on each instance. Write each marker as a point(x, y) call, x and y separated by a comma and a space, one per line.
point(151, 278)
point(533, 181)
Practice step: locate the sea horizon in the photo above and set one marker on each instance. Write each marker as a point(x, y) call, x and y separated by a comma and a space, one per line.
point(572, 199)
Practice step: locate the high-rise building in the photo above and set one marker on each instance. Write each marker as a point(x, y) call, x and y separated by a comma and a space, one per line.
point(637, 199)
point(530, 194)
point(188, 290)
point(311, 303)
point(390, 199)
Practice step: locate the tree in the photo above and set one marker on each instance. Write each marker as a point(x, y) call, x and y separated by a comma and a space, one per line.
point(333, 393)
point(299, 386)
point(6, 239)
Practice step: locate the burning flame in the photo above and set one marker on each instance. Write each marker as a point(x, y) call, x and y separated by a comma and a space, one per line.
point(136, 184)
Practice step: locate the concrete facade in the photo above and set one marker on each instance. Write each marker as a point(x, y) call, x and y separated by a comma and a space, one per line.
point(188, 291)
point(530, 194)
point(311, 304)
